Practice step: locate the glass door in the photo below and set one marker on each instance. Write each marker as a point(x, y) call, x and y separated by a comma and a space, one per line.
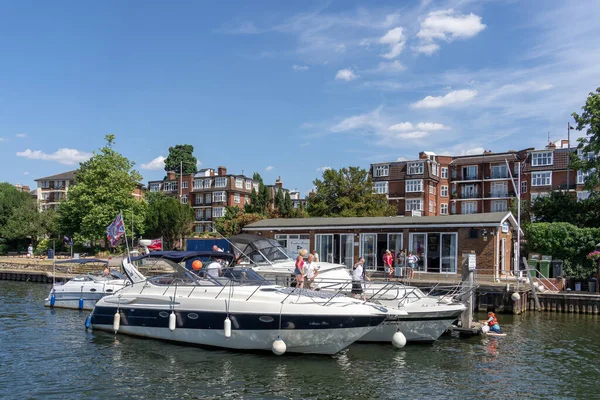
point(449, 253)
point(395, 244)
point(347, 250)
point(368, 249)
point(324, 245)
point(418, 246)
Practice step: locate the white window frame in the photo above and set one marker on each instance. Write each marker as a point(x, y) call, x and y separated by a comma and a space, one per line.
point(208, 199)
point(218, 212)
point(444, 209)
point(434, 169)
point(381, 170)
point(523, 187)
point(416, 168)
point(239, 183)
point(414, 185)
point(583, 195)
point(499, 205)
point(255, 186)
point(199, 199)
point(221, 182)
point(444, 190)
point(207, 183)
point(468, 207)
point(381, 187)
point(468, 177)
point(499, 169)
point(184, 184)
point(444, 172)
point(542, 158)
point(414, 204)
point(541, 178)
point(581, 176)
point(496, 192)
point(198, 184)
point(236, 198)
point(155, 187)
point(219, 197)
point(184, 199)
point(431, 206)
point(248, 184)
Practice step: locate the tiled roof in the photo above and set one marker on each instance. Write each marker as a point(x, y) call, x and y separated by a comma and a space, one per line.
point(484, 158)
point(65, 176)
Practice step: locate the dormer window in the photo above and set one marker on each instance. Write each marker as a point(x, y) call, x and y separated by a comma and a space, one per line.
point(415, 168)
point(542, 158)
point(381, 170)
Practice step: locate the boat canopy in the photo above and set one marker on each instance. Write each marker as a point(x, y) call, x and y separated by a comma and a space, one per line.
point(82, 261)
point(258, 250)
point(181, 256)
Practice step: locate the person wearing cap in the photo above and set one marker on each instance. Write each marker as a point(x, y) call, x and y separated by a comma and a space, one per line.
point(493, 323)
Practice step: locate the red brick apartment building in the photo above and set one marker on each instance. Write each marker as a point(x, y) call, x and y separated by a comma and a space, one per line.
point(441, 185)
point(416, 187)
point(208, 192)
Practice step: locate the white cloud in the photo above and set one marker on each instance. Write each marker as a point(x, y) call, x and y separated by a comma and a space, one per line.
point(269, 168)
point(2, 139)
point(346, 75)
point(395, 39)
point(323, 169)
point(402, 159)
point(299, 67)
point(428, 48)
point(447, 25)
point(422, 126)
point(21, 135)
point(25, 173)
point(410, 135)
point(370, 120)
point(457, 96)
point(63, 156)
point(472, 151)
point(198, 163)
point(157, 164)
point(394, 66)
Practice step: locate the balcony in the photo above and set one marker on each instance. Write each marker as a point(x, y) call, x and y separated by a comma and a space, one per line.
point(469, 195)
point(470, 178)
point(499, 195)
point(563, 186)
point(498, 176)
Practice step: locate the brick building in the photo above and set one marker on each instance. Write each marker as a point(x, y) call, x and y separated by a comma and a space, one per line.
point(440, 242)
point(549, 169)
point(52, 189)
point(482, 183)
point(416, 187)
point(209, 191)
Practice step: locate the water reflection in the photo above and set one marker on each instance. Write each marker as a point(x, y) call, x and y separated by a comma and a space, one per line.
point(544, 356)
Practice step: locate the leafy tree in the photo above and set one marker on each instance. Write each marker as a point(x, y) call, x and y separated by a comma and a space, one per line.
point(347, 193)
point(288, 206)
point(559, 206)
point(279, 201)
point(168, 218)
point(254, 205)
point(181, 155)
point(24, 222)
point(10, 198)
point(234, 221)
point(589, 120)
point(104, 187)
point(264, 199)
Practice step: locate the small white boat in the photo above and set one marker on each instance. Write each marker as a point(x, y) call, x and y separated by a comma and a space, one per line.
point(83, 291)
point(236, 310)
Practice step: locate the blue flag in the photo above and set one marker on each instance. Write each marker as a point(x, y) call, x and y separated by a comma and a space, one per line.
point(115, 230)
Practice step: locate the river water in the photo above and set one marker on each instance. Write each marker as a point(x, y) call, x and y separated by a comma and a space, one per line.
point(47, 354)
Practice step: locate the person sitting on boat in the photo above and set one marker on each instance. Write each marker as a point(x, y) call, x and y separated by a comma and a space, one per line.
point(214, 269)
point(311, 270)
point(299, 270)
point(493, 323)
point(106, 271)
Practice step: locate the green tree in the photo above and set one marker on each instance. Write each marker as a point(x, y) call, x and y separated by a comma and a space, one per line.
point(104, 187)
point(254, 205)
point(279, 201)
point(559, 206)
point(181, 156)
point(589, 121)
point(347, 193)
point(264, 199)
point(288, 206)
point(24, 222)
point(168, 218)
point(234, 221)
point(10, 198)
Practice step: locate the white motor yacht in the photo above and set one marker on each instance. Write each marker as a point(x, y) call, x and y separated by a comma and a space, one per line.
point(83, 291)
point(426, 317)
point(235, 309)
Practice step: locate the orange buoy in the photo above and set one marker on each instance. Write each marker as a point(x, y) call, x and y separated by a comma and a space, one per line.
point(197, 265)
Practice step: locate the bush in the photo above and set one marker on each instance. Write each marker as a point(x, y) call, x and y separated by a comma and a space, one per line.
point(567, 242)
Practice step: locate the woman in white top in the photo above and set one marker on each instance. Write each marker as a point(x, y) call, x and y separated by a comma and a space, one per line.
point(358, 277)
point(311, 270)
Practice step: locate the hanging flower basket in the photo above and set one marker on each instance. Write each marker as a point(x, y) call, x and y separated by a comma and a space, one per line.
point(594, 255)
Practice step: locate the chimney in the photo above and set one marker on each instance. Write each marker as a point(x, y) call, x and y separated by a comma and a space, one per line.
point(222, 171)
point(278, 182)
point(26, 188)
point(564, 144)
point(171, 175)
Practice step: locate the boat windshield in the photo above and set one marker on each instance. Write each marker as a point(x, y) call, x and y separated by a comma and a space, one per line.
point(203, 271)
point(263, 251)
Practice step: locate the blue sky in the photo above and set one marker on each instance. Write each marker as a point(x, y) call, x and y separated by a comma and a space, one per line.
point(287, 88)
